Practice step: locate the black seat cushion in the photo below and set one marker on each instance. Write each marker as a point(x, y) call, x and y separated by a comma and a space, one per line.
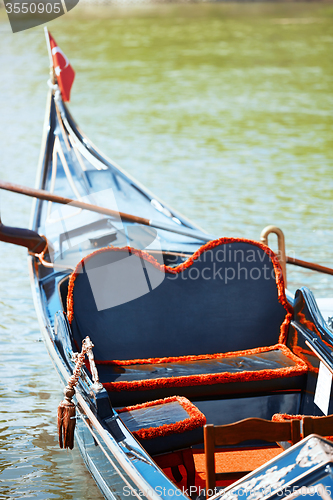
point(265, 369)
point(229, 296)
point(165, 425)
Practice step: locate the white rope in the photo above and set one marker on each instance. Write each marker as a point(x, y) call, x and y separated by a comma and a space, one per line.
point(52, 86)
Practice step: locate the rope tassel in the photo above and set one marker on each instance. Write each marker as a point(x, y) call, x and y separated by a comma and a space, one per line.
point(66, 420)
point(66, 409)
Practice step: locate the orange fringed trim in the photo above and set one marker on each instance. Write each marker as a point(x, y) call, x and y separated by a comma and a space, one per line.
point(211, 379)
point(199, 357)
point(312, 327)
point(282, 417)
point(309, 324)
point(284, 328)
point(188, 263)
point(196, 419)
point(302, 353)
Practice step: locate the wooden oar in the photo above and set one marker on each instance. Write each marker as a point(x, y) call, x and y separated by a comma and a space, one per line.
point(23, 237)
point(309, 265)
point(45, 195)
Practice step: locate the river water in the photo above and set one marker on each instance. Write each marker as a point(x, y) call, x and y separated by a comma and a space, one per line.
point(223, 110)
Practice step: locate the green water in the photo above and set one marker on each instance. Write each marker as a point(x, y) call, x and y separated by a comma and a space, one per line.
point(222, 110)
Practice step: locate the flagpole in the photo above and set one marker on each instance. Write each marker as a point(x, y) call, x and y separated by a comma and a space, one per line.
point(47, 38)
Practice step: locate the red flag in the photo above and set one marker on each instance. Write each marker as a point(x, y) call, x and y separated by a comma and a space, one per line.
point(63, 70)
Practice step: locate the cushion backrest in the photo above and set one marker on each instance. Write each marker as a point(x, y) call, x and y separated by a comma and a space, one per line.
point(228, 296)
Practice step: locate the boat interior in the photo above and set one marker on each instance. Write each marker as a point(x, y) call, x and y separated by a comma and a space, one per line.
point(211, 339)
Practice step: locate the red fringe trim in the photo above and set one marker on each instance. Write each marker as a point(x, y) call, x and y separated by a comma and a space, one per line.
point(300, 351)
point(175, 359)
point(282, 417)
point(215, 378)
point(312, 327)
point(196, 419)
point(188, 263)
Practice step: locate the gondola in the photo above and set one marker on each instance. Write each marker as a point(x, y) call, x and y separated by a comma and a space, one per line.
point(165, 337)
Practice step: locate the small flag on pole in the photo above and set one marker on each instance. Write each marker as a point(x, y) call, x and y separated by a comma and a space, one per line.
point(63, 70)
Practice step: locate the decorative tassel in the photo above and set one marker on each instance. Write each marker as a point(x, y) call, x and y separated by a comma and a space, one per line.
point(66, 409)
point(66, 419)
